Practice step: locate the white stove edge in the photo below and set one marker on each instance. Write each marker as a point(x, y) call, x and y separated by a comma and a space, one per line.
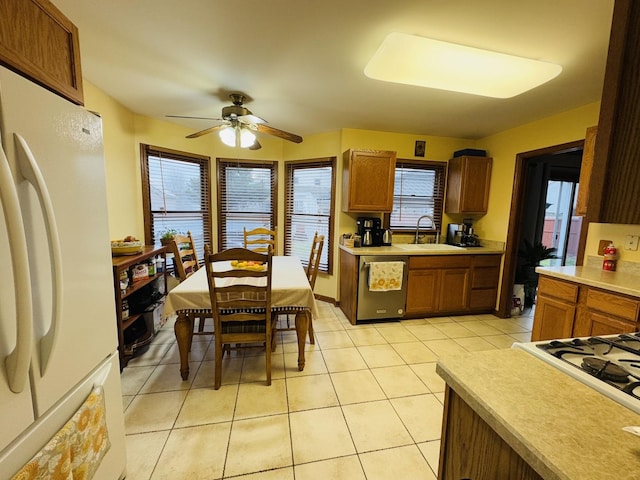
point(604, 388)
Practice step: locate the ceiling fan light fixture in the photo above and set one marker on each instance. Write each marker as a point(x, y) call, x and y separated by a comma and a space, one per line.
point(413, 60)
point(237, 137)
point(228, 136)
point(247, 138)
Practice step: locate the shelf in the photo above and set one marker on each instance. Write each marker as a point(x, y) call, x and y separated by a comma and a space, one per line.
point(123, 264)
point(141, 283)
point(132, 318)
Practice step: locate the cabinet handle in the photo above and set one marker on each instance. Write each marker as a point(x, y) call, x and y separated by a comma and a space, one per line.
point(17, 362)
point(31, 172)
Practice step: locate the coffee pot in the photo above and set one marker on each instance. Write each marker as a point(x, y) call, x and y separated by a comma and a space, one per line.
point(367, 240)
point(387, 237)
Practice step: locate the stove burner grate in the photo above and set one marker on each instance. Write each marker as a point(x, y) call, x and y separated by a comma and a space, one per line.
point(605, 370)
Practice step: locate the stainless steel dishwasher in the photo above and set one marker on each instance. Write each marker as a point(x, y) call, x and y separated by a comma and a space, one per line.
point(376, 305)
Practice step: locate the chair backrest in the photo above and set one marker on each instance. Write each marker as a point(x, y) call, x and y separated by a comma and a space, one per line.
point(239, 291)
point(184, 255)
point(314, 259)
point(261, 240)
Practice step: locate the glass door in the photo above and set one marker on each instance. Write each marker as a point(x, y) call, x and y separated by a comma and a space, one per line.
point(561, 228)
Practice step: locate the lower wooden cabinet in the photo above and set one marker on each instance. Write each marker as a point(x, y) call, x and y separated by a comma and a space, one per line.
point(485, 274)
point(471, 449)
point(555, 309)
point(567, 309)
point(606, 313)
point(438, 284)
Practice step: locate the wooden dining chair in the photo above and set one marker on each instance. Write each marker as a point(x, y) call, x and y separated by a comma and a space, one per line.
point(312, 273)
point(185, 260)
point(261, 239)
point(240, 302)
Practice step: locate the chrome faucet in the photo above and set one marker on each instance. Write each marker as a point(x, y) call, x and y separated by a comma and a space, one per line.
point(433, 224)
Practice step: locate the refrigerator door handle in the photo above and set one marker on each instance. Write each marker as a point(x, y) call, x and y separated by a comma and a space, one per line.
point(31, 172)
point(18, 361)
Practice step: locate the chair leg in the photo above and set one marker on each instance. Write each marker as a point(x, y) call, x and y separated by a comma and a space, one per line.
point(218, 366)
point(268, 362)
point(274, 324)
point(201, 324)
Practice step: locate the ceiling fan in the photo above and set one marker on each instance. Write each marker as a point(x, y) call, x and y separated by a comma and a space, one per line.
point(239, 125)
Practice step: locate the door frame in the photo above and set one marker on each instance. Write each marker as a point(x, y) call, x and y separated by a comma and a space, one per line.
point(515, 220)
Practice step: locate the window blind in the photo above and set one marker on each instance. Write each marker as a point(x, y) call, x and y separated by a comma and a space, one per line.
point(309, 202)
point(246, 198)
point(419, 190)
point(176, 195)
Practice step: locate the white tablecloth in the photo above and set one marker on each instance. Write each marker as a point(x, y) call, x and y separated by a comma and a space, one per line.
point(289, 288)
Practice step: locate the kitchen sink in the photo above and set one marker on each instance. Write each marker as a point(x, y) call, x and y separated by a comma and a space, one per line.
point(425, 247)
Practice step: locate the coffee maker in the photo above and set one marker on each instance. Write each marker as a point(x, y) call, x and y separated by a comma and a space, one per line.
point(462, 234)
point(370, 231)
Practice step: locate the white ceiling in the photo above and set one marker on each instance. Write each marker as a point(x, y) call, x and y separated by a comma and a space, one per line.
point(301, 61)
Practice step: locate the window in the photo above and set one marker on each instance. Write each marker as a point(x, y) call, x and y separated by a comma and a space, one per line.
point(176, 195)
point(246, 198)
point(310, 192)
point(418, 190)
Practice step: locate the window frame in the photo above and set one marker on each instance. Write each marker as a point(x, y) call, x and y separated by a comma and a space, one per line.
point(290, 167)
point(440, 168)
point(203, 161)
point(221, 164)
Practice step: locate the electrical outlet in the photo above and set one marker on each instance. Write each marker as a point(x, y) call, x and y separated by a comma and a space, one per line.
point(631, 242)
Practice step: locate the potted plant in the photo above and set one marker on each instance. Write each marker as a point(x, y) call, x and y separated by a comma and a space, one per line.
point(167, 236)
point(531, 254)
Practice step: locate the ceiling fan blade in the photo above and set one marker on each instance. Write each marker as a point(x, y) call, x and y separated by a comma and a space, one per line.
point(193, 118)
point(207, 130)
point(256, 145)
point(292, 137)
point(251, 119)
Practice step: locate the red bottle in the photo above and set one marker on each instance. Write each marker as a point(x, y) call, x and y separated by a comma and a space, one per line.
point(610, 258)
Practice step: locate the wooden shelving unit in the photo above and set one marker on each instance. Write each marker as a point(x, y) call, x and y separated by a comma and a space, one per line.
point(124, 264)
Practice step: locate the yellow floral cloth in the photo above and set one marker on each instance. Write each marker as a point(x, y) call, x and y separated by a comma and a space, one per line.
point(75, 452)
point(385, 276)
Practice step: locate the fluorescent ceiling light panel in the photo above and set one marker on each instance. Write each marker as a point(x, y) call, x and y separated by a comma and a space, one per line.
point(420, 61)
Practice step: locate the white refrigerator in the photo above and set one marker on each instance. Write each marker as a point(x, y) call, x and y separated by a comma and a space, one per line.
point(57, 312)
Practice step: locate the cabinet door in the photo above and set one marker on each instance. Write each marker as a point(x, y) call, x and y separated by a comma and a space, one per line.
point(422, 291)
point(44, 47)
point(586, 167)
point(598, 324)
point(348, 284)
point(368, 180)
point(454, 290)
point(553, 319)
point(468, 184)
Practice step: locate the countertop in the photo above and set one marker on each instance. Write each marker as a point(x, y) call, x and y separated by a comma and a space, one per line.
point(563, 429)
point(396, 250)
point(619, 282)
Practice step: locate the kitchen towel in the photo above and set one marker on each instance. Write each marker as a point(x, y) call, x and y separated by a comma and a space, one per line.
point(75, 452)
point(385, 276)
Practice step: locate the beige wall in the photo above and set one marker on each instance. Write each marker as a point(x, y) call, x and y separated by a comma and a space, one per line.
point(124, 131)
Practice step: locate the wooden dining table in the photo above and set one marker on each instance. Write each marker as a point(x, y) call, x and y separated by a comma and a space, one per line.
point(290, 289)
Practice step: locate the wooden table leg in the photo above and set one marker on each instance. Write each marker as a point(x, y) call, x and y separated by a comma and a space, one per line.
point(183, 330)
point(302, 327)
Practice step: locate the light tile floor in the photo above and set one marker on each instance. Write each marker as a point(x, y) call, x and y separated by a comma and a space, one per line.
point(368, 404)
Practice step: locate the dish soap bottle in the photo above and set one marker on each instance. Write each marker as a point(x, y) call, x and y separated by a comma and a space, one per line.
point(610, 258)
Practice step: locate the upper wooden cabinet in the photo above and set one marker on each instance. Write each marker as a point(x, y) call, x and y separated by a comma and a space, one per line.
point(39, 42)
point(586, 167)
point(615, 181)
point(468, 181)
point(367, 180)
